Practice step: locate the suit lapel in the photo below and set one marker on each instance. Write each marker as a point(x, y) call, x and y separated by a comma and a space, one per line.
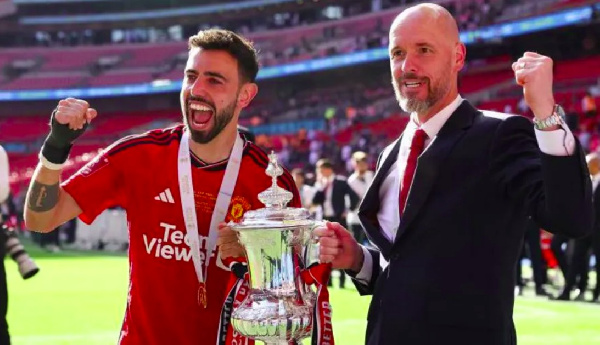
point(430, 162)
point(369, 207)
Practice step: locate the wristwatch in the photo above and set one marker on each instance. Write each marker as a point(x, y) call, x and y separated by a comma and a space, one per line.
point(557, 118)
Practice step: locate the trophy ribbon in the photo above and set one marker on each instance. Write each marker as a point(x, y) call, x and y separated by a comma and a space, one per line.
point(318, 275)
point(235, 297)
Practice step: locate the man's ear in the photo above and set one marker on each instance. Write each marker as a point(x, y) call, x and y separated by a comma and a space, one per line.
point(460, 56)
point(247, 94)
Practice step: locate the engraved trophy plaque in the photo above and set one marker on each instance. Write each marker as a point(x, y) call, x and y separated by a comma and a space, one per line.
point(279, 246)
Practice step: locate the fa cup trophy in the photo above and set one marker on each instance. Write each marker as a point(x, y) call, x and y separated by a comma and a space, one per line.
point(282, 307)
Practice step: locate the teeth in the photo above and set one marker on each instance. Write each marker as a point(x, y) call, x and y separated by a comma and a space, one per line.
point(412, 84)
point(200, 107)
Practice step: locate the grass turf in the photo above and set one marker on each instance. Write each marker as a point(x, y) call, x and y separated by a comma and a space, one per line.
point(79, 298)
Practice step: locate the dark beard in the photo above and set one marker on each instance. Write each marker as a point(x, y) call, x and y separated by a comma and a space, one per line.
point(222, 119)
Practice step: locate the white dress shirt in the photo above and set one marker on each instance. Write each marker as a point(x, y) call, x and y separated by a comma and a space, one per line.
point(307, 194)
point(327, 187)
point(359, 186)
point(558, 143)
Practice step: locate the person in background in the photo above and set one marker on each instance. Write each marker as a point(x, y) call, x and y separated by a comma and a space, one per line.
point(447, 207)
point(306, 191)
point(332, 194)
point(359, 181)
point(577, 273)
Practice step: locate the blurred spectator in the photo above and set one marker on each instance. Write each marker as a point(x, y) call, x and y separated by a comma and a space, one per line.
point(332, 191)
point(588, 107)
point(359, 181)
point(306, 191)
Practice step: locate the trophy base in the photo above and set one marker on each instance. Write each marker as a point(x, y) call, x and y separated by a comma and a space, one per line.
point(274, 320)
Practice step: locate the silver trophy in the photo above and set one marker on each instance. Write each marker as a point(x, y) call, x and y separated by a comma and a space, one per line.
point(278, 243)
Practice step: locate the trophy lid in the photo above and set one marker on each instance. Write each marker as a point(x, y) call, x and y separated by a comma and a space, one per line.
point(275, 214)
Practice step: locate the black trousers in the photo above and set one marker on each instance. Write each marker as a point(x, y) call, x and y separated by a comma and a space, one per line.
point(559, 253)
point(596, 251)
point(580, 265)
point(342, 222)
point(532, 245)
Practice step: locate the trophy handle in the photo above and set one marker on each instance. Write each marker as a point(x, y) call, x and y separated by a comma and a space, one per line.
point(313, 247)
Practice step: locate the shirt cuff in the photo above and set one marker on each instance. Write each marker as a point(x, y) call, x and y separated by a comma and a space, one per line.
point(366, 271)
point(560, 142)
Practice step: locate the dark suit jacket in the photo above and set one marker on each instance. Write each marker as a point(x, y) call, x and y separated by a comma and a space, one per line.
point(596, 234)
point(451, 272)
point(340, 189)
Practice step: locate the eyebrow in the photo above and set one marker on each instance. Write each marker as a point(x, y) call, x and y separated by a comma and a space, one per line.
point(207, 73)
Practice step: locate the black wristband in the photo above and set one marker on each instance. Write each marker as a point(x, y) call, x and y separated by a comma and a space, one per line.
point(55, 154)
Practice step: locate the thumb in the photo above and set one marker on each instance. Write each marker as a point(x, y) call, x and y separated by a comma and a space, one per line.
point(337, 228)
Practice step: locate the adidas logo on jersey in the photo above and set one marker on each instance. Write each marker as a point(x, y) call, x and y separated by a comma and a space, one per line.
point(165, 196)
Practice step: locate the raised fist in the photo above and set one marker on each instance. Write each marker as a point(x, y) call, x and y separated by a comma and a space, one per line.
point(534, 73)
point(74, 112)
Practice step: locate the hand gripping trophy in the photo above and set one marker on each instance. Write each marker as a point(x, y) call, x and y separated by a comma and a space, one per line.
point(281, 306)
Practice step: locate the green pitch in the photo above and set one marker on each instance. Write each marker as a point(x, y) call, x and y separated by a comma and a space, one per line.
point(79, 298)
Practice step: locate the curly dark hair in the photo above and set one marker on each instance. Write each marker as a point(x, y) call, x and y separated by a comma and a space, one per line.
point(237, 46)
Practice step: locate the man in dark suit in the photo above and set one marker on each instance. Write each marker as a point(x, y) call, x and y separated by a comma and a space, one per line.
point(596, 246)
point(579, 266)
point(448, 223)
point(332, 191)
point(533, 247)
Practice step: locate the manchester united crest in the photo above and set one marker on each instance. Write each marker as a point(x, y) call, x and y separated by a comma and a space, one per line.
point(239, 205)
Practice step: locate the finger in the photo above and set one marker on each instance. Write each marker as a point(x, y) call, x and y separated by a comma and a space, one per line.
point(329, 242)
point(83, 103)
point(91, 114)
point(231, 251)
point(79, 121)
point(532, 54)
point(326, 258)
point(339, 230)
point(322, 231)
point(227, 237)
point(522, 76)
point(333, 251)
point(78, 107)
point(63, 102)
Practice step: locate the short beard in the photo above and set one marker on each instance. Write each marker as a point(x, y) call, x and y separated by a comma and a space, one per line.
point(222, 119)
point(434, 94)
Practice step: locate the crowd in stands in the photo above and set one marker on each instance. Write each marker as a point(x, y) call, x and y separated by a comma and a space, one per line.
point(286, 38)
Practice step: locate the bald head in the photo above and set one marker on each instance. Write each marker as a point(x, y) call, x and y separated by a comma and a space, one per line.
point(431, 15)
point(425, 57)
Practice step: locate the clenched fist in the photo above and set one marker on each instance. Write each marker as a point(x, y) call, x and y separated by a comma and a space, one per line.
point(68, 121)
point(534, 73)
point(74, 112)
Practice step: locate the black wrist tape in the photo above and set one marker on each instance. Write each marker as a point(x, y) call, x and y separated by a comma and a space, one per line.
point(55, 154)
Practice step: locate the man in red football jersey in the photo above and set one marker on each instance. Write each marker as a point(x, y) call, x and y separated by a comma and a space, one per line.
point(176, 185)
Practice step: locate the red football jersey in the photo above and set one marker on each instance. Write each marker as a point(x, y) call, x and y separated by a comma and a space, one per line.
point(139, 174)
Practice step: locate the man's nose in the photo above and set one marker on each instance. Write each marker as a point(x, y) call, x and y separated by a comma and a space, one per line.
point(409, 65)
point(197, 88)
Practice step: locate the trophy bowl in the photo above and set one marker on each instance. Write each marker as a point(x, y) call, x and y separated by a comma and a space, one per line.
point(278, 242)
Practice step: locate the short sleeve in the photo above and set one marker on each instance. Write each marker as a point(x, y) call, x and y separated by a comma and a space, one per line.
point(96, 186)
